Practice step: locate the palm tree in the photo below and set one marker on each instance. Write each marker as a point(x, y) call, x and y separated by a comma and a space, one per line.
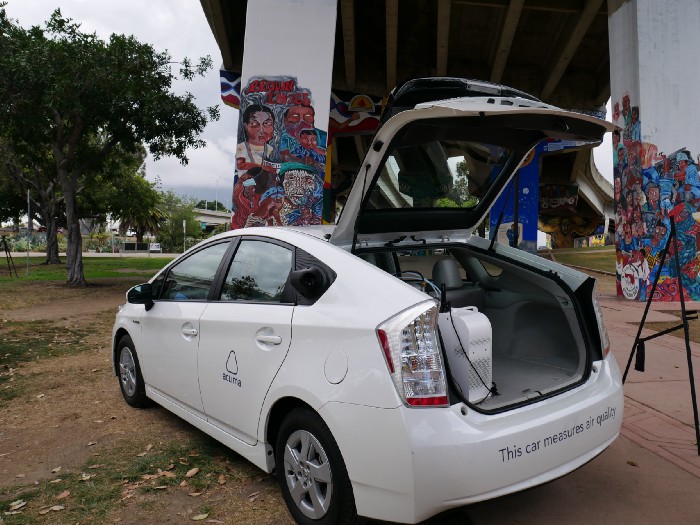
point(138, 207)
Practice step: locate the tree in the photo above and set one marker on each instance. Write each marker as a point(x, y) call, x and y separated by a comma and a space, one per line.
point(210, 205)
point(138, 208)
point(33, 175)
point(179, 211)
point(13, 201)
point(459, 196)
point(122, 191)
point(74, 97)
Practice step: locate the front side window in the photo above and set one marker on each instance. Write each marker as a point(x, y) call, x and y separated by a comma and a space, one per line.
point(258, 272)
point(191, 279)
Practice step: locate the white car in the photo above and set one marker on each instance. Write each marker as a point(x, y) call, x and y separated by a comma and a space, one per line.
point(395, 365)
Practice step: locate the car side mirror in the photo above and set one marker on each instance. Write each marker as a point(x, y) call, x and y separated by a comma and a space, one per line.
point(310, 282)
point(141, 294)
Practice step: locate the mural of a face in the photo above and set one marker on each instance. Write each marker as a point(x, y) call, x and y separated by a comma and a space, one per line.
point(297, 114)
point(660, 232)
point(626, 102)
point(308, 140)
point(298, 183)
point(259, 128)
point(621, 156)
point(627, 231)
point(249, 192)
point(653, 194)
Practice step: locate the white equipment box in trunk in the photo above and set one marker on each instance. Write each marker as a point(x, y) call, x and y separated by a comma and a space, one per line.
point(466, 334)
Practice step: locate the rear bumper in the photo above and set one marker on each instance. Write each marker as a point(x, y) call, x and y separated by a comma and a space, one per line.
point(408, 464)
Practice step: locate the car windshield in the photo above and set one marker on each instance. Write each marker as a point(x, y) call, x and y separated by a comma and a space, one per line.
point(438, 174)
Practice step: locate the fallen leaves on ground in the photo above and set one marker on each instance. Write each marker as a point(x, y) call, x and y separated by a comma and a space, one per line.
point(17, 504)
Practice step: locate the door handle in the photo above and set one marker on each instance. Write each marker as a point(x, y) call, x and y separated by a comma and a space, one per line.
point(189, 331)
point(269, 339)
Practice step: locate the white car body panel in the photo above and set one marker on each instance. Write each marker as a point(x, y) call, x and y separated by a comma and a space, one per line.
point(236, 365)
point(172, 357)
point(456, 458)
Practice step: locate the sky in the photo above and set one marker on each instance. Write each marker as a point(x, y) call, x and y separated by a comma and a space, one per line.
point(180, 27)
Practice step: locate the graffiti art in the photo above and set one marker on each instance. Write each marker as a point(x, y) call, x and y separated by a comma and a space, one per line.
point(651, 188)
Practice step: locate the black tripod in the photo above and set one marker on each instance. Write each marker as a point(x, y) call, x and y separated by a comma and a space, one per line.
point(8, 256)
point(639, 341)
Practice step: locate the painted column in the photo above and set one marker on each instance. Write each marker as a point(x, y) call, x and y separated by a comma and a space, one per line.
point(283, 125)
point(654, 79)
point(549, 207)
point(504, 208)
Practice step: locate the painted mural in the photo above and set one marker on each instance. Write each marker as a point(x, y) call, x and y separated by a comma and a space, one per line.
point(650, 188)
point(354, 113)
point(280, 156)
point(291, 140)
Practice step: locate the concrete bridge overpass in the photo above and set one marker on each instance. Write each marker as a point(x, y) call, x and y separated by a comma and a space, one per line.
point(556, 50)
point(210, 219)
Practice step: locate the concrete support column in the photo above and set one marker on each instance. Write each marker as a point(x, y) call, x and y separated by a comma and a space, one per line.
point(654, 93)
point(281, 167)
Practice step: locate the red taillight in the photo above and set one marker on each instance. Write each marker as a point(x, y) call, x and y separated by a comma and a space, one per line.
point(384, 340)
point(427, 401)
point(413, 354)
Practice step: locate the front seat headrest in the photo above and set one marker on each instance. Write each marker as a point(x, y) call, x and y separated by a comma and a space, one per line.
point(446, 272)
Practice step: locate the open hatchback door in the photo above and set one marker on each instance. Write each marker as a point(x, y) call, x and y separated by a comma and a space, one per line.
point(412, 211)
point(404, 185)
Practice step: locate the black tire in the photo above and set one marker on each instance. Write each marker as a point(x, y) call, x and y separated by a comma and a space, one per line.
point(305, 441)
point(129, 373)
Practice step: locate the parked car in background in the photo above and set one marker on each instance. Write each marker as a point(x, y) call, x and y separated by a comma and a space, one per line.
point(373, 380)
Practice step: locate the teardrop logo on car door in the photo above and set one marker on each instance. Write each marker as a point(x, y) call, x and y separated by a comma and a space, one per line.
point(232, 363)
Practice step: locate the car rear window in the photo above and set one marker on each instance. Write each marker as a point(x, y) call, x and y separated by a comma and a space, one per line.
point(438, 174)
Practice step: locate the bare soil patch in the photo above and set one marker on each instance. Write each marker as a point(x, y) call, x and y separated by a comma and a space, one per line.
point(71, 417)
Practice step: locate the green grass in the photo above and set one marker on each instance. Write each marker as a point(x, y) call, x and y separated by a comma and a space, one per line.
point(93, 268)
point(21, 342)
point(97, 487)
point(588, 258)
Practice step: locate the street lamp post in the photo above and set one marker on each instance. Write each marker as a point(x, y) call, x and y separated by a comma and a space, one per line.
point(216, 202)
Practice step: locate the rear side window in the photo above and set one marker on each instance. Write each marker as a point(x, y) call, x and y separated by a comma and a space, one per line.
point(259, 272)
point(191, 279)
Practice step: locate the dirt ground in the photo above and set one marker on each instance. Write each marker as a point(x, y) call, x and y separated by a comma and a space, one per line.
point(71, 416)
point(71, 420)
